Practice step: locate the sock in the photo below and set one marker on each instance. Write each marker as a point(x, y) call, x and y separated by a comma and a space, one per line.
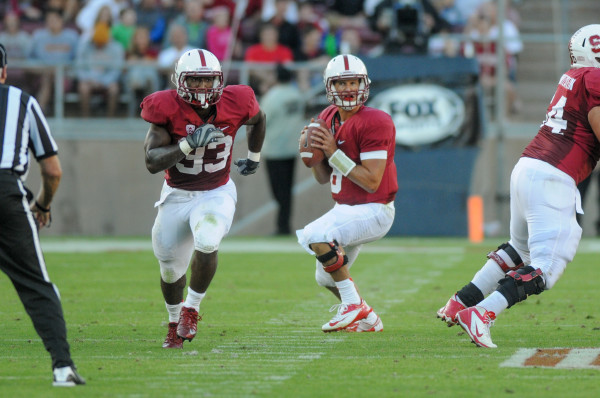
point(173, 311)
point(193, 299)
point(495, 302)
point(488, 276)
point(348, 292)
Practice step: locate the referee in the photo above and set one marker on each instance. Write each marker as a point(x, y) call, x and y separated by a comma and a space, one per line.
point(23, 128)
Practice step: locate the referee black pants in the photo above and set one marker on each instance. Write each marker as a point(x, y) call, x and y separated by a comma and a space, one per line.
point(22, 260)
point(281, 179)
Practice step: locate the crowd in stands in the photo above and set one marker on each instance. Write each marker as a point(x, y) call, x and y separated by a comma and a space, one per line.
point(115, 46)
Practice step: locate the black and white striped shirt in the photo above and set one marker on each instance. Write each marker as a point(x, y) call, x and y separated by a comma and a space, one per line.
point(23, 127)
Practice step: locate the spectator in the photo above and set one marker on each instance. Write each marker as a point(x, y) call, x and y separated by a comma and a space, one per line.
point(26, 10)
point(92, 13)
point(308, 16)
point(18, 45)
point(99, 67)
point(312, 51)
point(285, 106)
point(482, 29)
point(269, 9)
point(406, 26)
point(149, 15)
point(124, 29)
point(351, 42)
point(210, 5)
point(142, 78)
point(218, 35)
point(103, 16)
point(349, 13)
point(268, 50)
point(68, 8)
point(288, 32)
point(179, 45)
point(193, 21)
point(53, 45)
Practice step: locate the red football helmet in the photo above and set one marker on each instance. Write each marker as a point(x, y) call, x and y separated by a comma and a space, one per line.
point(202, 63)
point(584, 47)
point(346, 66)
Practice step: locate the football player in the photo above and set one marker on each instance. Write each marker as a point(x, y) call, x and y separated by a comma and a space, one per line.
point(544, 199)
point(359, 165)
point(191, 134)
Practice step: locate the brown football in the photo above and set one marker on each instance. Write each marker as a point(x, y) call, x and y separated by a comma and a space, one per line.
point(311, 156)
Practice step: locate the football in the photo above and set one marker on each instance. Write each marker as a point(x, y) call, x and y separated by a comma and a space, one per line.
point(311, 156)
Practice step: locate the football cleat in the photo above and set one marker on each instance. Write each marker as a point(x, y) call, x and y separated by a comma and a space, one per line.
point(476, 321)
point(346, 314)
point(372, 323)
point(172, 340)
point(67, 377)
point(188, 323)
point(449, 311)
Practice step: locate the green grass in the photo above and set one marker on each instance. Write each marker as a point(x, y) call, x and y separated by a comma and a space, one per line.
point(261, 330)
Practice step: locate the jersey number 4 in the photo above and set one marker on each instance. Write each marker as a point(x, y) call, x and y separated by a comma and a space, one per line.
point(554, 118)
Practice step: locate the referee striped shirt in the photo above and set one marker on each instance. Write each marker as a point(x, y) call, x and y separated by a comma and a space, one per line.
point(23, 128)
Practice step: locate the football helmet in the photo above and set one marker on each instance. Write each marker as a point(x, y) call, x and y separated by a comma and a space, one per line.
point(198, 62)
point(346, 66)
point(584, 47)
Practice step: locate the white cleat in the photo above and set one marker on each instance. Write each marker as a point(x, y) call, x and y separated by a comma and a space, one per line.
point(372, 323)
point(476, 321)
point(346, 314)
point(66, 377)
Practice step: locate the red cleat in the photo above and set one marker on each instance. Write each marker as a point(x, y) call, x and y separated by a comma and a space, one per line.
point(449, 311)
point(188, 323)
point(172, 340)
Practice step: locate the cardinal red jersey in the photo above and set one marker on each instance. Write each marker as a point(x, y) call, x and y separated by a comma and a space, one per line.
point(566, 139)
point(368, 134)
point(207, 167)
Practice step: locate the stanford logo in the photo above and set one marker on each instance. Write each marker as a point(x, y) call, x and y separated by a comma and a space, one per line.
point(595, 43)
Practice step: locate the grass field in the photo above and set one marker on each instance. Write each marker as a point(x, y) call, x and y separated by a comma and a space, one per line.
point(261, 335)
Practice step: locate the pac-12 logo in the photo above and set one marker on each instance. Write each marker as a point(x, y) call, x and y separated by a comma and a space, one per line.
point(190, 128)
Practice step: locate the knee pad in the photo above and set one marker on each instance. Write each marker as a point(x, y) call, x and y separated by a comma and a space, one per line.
point(518, 285)
point(506, 257)
point(335, 252)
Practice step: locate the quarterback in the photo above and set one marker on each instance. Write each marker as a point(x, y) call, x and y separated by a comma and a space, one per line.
point(191, 134)
point(544, 199)
point(359, 165)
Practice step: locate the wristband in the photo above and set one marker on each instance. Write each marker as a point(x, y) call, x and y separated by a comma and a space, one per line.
point(42, 208)
point(341, 162)
point(254, 156)
point(185, 147)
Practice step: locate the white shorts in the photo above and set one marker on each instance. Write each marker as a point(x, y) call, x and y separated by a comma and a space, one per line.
point(188, 221)
point(351, 227)
point(543, 225)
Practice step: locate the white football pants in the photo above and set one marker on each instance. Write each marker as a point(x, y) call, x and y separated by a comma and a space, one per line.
point(543, 226)
point(351, 227)
point(188, 221)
